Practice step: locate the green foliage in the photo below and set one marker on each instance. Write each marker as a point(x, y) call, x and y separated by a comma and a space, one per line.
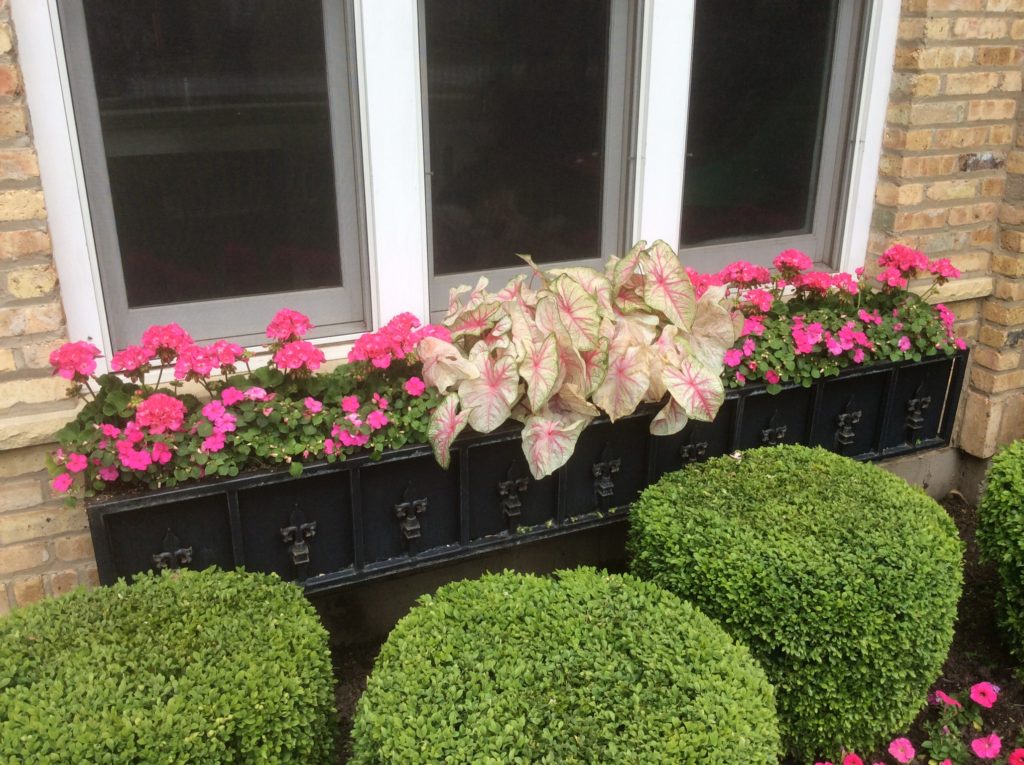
point(1001, 538)
point(583, 667)
point(841, 579)
point(189, 667)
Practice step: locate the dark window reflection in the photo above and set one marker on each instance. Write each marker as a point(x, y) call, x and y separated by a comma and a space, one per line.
point(757, 112)
point(516, 97)
point(216, 127)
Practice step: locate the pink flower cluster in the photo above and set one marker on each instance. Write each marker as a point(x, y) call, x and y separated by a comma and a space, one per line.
point(288, 325)
point(75, 361)
point(744, 274)
point(133, 361)
point(166, 341)
point(356, 429)
point(160, 413)
point(900, 264)
point(223, 422)
point(395, 340)
point(299, 355)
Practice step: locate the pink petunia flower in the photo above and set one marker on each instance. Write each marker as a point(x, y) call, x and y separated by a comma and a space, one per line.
point(902, 750)
point(350, 404)
point(1016, 757)
point(987, 747)
point(984, 694)
point(852, 759)
point(377, 419)
point(76, 463)
point(62, 483)
point(733, 357)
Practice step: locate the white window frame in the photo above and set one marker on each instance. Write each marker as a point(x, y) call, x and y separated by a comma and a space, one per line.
point(389, 93)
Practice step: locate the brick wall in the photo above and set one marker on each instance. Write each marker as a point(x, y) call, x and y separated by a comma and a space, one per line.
point(948, 162)
point(44, 546)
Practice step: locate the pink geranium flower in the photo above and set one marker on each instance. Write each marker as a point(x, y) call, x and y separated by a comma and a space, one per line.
point(76, 463)
point(904, 343)
point(312, 405)
point(288, 325)
point(231, 396)
point(75, 361)
point(414, 386)
point(160, 413)
point(166, 341)
point(62, 483)
point(987, 747)
point(791, 262)
point(984, 694)
point(902, 750)
point(772, 377)
point(350, 404)
point(376, 419)
point(299, 355)
point(108, 473)
point(133, 361)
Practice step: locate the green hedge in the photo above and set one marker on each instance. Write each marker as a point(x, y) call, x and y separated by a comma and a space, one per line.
point(582, 667)
point(1001, 538)
point(841, 579)
point(192, 667)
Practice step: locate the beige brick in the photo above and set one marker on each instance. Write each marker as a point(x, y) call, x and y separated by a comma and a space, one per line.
point(18, 164)
point(980, 28)
point(980, 423)
point(897, 114)
point(967, 214)
point(991, 109)
point(13, 121)
point(996, 360)
point(28, 590)
point(1003, 312)
point(15, 463)
point(1010, 82)
point(962, 137)
point(997, 55)
point(22, 204)
point(17, 244)
point(988, 381)
point(930, 112)
point(30, 319)
point(1000, 134)
point(912, 28)
point(945, 190)
point(939, 6)
point(17, 495)
point(37, 355)
point(971, 260)
point(1008, 289)
point(1013, 241)
point(918, 140)
point(19, 430)
point(923, 167)
point(962, 289)
point(985, 236)
point(6, 360)
point(5, 39)
point(1015, 162)
point(941, 58)
point(994, 337)
point(31, 282)
point(61, 582)
point(89, 576)
point(909, 221)
point(1011, 214)
point(966, 309)
point(36, 524)
point(970, 83)
point(993, 187)
point(886, 193)
point(10, 82)
point(967, 330)
point(5, 604)
point(32, 391)
point(1011, 6)
point(1017, 29)
point(894, 138)
point(74, 548)
point(22, 557)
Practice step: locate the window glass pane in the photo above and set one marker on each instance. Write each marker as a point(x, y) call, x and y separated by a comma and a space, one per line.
point(756, 117)
point(216, 127)
point(516, 94)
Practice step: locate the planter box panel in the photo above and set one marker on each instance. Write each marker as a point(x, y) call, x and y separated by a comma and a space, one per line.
point(298, 529)
point(848, 415)
point(503, 496)
point(767, 420)
point(696, 442)
point(917, 405)
point(192, 533)
point(609, 467)
point(409, 506)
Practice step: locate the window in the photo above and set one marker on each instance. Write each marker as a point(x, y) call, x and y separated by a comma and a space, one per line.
point(768, 123)
point(217, 142)
point(526, 120)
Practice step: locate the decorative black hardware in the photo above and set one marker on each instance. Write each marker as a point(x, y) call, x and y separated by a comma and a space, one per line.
point(509, 490)
point(604, 485)
point(695, 452)
point(408, 512)
point(773, 433)
point(845, 422)
point(297, 535)
point(915, 413)
point(174, 556)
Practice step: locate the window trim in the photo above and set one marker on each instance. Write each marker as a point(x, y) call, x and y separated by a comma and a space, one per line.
point(388, 75)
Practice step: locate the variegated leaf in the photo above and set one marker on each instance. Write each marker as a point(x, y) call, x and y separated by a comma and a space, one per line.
point(594, 282)
point(549, 440)
point(476, 321)
point(697, 389)
point(667, 288)
point(671, 419)
point(570, 399)
point(534, 268)
point(712, 333)
point(578, 312)
point(488, 398)
point(540, 371)
point(443, 364)
point(625, 382)
point(626, 266)
point(595, 366)
point(446, 422)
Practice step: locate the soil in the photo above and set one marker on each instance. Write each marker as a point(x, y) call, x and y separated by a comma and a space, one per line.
point(977, 653)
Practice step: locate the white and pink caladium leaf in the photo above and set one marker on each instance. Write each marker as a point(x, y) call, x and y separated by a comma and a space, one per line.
point(443, 364)
point(569, 398)
point(669, 420)
point(578, 312)
point(593, 282)
point(455, 304)
point(622, 270)
point(446, 422)
point(536, 271)
point(549, 440)
point(595, 366)
point(540, 371)
point(625, 382)
point(713, 331)
point(488, 398)
point(697, 389)
point(667, 288)
point(476, 321)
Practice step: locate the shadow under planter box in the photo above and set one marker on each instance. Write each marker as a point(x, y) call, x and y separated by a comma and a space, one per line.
point(361, 519)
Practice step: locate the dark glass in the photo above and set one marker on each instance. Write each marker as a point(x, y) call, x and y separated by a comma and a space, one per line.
point(516, 92)
point(216, 128)
point(757, 113)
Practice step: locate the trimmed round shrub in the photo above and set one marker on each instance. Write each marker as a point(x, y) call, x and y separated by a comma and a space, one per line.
point(188, 667)
point(581, 667)
point(1001, 538)
point(841, 578)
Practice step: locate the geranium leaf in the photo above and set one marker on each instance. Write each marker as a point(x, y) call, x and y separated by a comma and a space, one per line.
point(443, 363)
point(667, 288)
point(697, 389)
point(446, 422)
point(488, 398)
point(625, 382)
point(549, 440)
point(671, 419)
point(540, 370)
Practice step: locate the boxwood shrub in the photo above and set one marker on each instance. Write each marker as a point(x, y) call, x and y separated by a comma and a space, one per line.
point(191, 667)
point(841, 578)
point(1001, 538)
point(581, 667)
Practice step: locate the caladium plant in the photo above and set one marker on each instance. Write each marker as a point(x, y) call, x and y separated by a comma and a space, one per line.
point(554, 350)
